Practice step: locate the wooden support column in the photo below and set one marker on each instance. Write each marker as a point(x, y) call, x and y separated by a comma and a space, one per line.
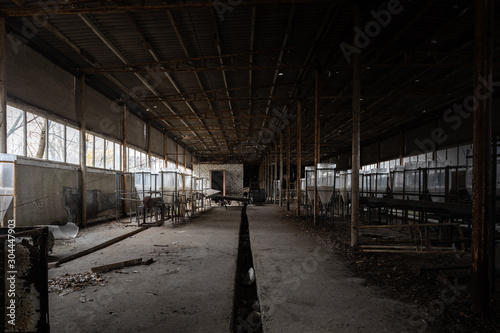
point(281, 171)
point(83, 153)
point(124, 156)
point(356, 107)
point(265, 173)
point(149, 143)
point(288, 169)
point(299, 155)
point(165, 150)
point(185, 159)
point(124, 138)
point(3, 88)
point(401, 147)
point(482, 189)
point(275, 168)
point(176, 155)
point(317, 136)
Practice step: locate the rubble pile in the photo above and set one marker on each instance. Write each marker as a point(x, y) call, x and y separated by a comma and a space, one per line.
point(72, 282)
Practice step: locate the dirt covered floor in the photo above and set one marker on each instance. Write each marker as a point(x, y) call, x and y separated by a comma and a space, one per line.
point(185, 282)
point(442, 296)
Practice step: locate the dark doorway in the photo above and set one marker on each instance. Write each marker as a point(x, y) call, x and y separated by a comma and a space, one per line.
point(219, 181)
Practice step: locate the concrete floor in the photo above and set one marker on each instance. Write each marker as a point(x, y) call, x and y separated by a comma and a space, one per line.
point(304, 288)
point(190, 287)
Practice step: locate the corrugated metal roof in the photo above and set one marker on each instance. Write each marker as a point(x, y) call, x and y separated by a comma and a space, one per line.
point(225, 84)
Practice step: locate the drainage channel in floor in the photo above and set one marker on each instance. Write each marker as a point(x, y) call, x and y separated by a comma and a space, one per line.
point(246, 312)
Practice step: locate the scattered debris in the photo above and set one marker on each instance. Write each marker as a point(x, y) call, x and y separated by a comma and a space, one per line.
point(109, 267)
point(98, 247)
point(253, 318)
point(71, 282)
point(249, 277)
point(149, 261)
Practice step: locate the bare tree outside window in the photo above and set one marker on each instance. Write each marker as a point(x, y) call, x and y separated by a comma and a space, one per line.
point(15, 131)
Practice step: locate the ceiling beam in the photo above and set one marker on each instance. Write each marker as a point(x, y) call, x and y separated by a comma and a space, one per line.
point(111, 9)
point(186, 53)
point(88, 20)
point(288, 31)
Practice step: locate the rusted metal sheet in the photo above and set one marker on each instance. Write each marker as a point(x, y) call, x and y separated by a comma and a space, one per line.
point(23, 260)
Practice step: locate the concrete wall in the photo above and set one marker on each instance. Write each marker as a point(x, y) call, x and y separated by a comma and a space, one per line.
point(39, 191)
point(35, 80)
point(234, 176)
point(157, 142)
point(101, 117)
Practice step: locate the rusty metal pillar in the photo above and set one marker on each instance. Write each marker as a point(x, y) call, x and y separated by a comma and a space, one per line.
point(165, 150)
point(281, 171)
point(482, 190)
point(148, 128)
point(3, 89)
point(83, 152)
point(317, 136)
point(124, 157)
point(176, 154)
point(288, 151)
point(275, 169)
point(356, 107)
point(299, 154)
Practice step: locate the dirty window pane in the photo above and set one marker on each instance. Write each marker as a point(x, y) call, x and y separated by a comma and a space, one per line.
point(118, 160)
point(35, 135)
point(15, 131)
point(99, 152)
point(56, 141)
point(90, 149)
point(110, 154)
point(72, 145)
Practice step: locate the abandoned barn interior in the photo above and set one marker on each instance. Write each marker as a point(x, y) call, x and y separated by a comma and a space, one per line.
point(249, 166)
